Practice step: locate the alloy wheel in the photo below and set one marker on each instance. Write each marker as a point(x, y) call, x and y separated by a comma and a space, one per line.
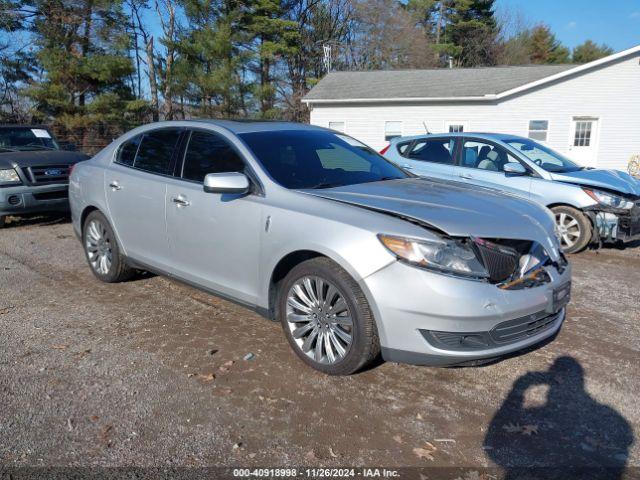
point(319, 319)
point(98, 246)
point(569, 229)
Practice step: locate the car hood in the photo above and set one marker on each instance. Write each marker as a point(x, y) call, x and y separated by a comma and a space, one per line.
point(454, 208)
point(40, 157)
point(608, 179)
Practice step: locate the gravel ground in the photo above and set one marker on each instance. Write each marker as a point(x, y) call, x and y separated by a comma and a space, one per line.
point(150, 373)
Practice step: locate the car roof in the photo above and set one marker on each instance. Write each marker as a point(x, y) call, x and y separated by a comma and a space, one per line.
point(244, 126)
point(480, 135)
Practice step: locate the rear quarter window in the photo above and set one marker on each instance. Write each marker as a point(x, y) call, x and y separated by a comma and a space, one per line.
point(127, 151)
point(403, 148)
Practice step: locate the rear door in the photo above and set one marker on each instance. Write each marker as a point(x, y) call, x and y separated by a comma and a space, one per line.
point(481, 163)
point(431, 157)
point(135, 186)
point(214, 238)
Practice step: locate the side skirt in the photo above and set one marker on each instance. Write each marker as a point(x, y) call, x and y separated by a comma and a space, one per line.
point(263, 312)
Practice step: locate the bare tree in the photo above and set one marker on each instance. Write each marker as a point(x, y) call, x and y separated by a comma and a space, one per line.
point(166, 10)
point(383, 35)
point(137, 7)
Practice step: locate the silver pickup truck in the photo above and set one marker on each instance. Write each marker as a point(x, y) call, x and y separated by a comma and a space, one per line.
point(34, 171)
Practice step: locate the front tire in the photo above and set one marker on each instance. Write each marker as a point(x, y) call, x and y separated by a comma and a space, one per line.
point(102, 250)
point(575, 228)
point(326, 318)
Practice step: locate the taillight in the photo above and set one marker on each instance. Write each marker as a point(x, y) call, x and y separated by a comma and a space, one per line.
point(71, 167)
point(384, 150)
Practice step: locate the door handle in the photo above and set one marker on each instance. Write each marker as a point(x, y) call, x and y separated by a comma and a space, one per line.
point(115, 186)
point(466, 175)
point(407, 167)
point(181, 201)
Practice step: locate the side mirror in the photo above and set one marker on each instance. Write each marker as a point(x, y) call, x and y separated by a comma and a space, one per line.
point(514, 168)
point(231, 182)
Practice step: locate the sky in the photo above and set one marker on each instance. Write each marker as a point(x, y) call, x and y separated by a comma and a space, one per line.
point(614, 22)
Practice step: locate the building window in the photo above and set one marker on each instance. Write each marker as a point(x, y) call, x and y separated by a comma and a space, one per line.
point(582, 137)
point(456, 126)
point(337, 126)
point(538, 129)
point(392, 130)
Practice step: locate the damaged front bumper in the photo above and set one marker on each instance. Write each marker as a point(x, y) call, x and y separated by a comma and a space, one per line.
point(425, 318)
point(614, 224)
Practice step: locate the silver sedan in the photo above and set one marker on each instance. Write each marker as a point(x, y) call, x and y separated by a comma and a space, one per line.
point(353, 255)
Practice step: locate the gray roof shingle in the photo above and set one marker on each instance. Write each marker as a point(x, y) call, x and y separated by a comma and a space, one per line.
point(434, 83)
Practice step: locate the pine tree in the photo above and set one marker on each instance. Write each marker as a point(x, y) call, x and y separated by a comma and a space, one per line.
point(274, 36)
point(473, 31)
point(212, 57)
point(545, 48)
point(465, 30)
point(590, 51)
point(82, 52)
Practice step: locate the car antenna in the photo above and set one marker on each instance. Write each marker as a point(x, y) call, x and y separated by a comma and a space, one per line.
point(426, 128)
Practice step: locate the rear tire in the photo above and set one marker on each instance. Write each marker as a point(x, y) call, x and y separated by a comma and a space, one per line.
point(102, 250)
point(2, 220)
point(575, 228)
point(326, 318)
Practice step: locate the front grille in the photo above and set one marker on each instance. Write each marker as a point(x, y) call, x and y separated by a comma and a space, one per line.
point(57, 195)
point(630, 223)
point(49, 174)
point(500, 261)
point(519, 328)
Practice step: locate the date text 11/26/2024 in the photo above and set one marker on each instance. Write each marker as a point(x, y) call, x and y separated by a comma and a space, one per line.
point(316, 473)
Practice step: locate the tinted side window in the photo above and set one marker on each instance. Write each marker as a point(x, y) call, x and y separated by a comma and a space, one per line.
point(209, 153)
point(438, 150)
point(127, 153)
point(156, 150)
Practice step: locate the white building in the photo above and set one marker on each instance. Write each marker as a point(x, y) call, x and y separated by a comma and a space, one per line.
point(590, 112)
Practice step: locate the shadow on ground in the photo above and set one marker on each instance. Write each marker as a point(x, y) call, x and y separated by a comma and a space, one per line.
point(568, 430)
point(38, 220)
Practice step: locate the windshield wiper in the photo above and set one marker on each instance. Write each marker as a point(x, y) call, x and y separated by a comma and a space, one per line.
point(37, 145)
point(325, 185)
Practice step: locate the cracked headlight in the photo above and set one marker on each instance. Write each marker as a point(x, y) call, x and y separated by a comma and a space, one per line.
point(608, 199)
point(454, 257)
point(9, 177)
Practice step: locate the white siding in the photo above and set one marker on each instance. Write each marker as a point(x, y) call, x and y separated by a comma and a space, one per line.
point(610, 93)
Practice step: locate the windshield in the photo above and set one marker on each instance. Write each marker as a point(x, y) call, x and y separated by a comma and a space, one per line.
point(318, 159)
point(23, 138)
point(542, 156)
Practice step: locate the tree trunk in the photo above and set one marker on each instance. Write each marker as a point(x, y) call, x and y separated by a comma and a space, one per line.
point(153, 85)
point(85, 43)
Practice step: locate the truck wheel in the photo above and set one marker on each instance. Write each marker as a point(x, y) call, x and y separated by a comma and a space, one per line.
point(326, 318)
point(575, 228)
point(102, 250)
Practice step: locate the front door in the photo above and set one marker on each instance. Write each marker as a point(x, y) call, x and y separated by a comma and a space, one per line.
point(214, 238)
point(583, 141)
point(481, 163)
